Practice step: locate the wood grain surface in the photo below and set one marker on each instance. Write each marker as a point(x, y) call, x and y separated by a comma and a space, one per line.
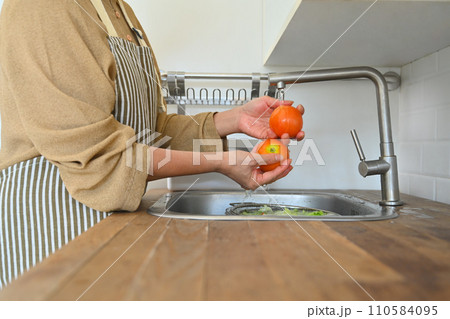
point(137, 256)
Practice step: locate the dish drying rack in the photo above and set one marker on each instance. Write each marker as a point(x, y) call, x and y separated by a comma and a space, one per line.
point(176, 92)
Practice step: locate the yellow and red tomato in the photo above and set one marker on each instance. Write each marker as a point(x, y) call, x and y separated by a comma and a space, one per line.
point(273, 146)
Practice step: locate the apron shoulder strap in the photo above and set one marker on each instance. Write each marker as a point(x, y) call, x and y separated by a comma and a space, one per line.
point(139, 34)
point(98, 5)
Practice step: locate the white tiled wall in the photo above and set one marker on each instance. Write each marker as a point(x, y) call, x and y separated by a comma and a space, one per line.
point(424, 127)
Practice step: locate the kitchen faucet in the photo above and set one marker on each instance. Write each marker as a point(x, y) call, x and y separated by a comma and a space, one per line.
point(386, 165)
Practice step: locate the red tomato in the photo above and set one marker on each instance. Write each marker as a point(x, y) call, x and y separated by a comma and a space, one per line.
point(286, 119)
point(273, 146)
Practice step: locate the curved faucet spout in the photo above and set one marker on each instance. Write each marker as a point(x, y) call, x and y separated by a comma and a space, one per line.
point(389, 180)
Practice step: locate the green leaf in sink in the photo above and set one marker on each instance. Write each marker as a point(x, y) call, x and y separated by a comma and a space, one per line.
point(297, 212)
point(266, 210)
point(315, 213)
point(251, 213)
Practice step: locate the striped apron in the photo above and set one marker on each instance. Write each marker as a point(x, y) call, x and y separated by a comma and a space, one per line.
point(37, 213)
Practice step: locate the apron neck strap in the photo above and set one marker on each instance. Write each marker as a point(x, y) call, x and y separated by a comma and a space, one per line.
point(98, 5)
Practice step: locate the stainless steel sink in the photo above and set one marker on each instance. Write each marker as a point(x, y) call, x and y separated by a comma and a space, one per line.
point(213, 205)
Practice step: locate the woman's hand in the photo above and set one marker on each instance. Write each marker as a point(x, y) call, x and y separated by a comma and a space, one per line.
point(253, 119)
point(243, 168)
point(240, 166)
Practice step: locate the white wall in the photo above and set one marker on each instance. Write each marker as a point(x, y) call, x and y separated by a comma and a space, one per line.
point(1, 5)
point(204, 35)
point(227, 36)
point(424, 128)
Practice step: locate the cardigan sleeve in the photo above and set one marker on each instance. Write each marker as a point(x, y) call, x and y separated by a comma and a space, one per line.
point(59, 78)
point(184, 129)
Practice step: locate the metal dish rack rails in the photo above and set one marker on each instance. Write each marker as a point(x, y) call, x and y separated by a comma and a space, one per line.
point(176, 92)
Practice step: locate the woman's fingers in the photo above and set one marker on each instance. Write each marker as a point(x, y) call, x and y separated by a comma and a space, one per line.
point(286, 102)
point(256, 147)
point(277, 173)
point(274, 103)
point(266, 159)
point(301, 109)
point(286, 172)
point(285, 139)
point(260, 178)
point(300, 136)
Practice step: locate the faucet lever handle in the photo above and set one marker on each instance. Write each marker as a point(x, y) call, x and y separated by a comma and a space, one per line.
point(362, 157)
point(367, 168)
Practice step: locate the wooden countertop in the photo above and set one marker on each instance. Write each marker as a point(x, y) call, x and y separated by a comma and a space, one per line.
point(136, 256)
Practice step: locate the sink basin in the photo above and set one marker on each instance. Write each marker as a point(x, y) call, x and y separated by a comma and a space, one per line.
point(213, 205)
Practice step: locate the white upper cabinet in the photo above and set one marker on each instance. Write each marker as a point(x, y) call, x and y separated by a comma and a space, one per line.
point(353, 32)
